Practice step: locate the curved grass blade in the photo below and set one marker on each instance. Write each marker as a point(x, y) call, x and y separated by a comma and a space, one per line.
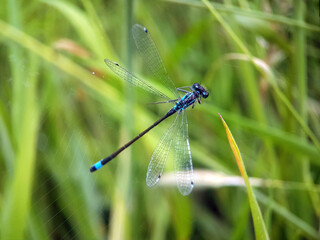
point(259, 226)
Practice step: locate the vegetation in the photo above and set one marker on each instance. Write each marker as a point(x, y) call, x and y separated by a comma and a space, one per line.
point(62, 109)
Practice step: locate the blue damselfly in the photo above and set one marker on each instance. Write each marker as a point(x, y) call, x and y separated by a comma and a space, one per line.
point(177, 134)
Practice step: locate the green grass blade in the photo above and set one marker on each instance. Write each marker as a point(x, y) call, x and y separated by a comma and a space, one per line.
point(259, 226)
point(17, 202)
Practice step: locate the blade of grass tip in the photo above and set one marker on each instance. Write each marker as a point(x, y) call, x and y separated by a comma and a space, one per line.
point(279, 137)
point(259, 226)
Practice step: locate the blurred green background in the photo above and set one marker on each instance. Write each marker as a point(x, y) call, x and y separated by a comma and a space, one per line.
point(62, 109)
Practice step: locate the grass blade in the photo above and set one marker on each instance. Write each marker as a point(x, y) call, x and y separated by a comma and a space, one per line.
point(17, 200)
point(259, 226)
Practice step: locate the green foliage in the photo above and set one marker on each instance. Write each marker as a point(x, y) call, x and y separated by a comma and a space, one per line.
point(61, 110)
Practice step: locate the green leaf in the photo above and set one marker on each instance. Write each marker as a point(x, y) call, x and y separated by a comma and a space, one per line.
point(259, 226)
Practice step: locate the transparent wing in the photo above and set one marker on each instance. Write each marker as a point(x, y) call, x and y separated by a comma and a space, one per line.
point(160, 154)
point(151, 57)
point(129, 77)
point(182, 158)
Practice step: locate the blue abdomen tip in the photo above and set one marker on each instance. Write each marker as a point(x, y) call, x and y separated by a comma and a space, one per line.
point(96, 166)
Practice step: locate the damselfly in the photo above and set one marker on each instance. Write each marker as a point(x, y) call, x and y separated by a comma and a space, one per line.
point(177, 134)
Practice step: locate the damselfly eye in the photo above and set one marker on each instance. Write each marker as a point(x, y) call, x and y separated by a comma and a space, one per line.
point(196, 86)
point(204, 94)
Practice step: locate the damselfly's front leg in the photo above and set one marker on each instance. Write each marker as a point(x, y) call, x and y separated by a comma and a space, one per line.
point(198, 100)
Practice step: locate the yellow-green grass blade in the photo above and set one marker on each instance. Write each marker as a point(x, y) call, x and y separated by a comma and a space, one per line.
point(259, 226)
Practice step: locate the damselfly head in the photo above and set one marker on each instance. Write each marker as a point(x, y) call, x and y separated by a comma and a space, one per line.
point(201, 90)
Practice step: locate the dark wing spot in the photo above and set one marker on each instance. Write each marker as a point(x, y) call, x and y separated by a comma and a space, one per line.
point(145, 30)
point(116, 64)
point(192, 183)
point(159, 177)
